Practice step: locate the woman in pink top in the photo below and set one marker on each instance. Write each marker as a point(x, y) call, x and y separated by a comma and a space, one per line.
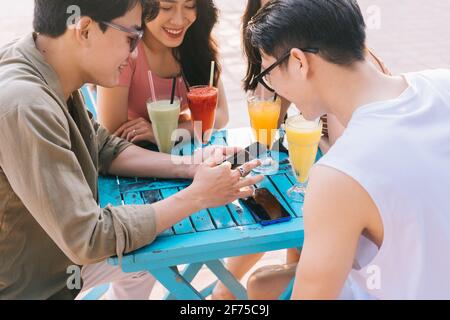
point(177, 40)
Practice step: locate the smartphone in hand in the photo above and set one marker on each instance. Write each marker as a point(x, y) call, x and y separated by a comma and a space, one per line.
point(266, 208)
point(252, 152)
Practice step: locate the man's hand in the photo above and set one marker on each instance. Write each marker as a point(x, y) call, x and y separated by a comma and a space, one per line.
point(202, 155)
point(215, 184)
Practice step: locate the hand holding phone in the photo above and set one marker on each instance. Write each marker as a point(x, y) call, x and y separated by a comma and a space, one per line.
point(252, 152)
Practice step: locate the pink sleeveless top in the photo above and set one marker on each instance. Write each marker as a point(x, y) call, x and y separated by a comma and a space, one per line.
point(135, 77)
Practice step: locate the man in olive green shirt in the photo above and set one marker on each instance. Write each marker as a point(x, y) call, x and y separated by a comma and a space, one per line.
point(51, 152)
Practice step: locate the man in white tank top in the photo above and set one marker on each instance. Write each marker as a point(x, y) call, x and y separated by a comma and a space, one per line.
point(377, 209)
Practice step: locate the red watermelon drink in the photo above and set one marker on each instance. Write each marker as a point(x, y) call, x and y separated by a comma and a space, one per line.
point(203, 104)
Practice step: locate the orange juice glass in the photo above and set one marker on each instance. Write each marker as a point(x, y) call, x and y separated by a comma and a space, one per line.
point(264, 113)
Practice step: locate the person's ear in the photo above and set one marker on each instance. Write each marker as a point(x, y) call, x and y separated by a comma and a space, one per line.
point(300, 61)
point(83, 30)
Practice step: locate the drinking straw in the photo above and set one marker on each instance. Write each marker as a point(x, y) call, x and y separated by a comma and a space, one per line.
point(186, 83)
point(174, 84)
point(211, 79)
point(152, 85)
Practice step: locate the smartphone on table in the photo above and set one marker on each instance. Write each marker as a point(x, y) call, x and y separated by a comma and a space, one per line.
point(266, 208)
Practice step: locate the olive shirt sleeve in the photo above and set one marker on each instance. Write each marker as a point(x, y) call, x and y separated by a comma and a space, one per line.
point(109, 147)
point(36, 157)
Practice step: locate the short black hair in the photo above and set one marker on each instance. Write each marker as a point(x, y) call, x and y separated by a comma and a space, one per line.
point(335, 27)
point(51, 16)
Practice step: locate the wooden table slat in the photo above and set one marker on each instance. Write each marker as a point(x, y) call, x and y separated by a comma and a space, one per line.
point(125, 180)
point(241, 214)
point(159, 184)
point(222, 217)
point(184, 226)
point(152, 196)
point(202, 221)
point(109, 192)
point(283, 184)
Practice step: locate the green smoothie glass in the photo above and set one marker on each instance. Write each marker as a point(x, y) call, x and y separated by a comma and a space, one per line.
point(164, 117)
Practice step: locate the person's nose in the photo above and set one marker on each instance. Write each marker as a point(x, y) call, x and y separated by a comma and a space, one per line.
point(178, 18)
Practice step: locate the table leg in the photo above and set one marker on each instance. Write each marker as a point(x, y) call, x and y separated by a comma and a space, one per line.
point(218, 268)
point(209, 289)
point(188, 274)
point(173, 281)
point(286, 295)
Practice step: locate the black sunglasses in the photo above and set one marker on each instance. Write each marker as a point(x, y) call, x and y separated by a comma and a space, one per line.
point(261, 78)
point(137, 34)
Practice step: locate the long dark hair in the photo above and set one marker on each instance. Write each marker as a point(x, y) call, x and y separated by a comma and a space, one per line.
point(199, 47)
point(252, 54)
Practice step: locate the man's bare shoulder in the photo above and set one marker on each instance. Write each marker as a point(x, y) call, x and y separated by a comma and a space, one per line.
point(332, 194)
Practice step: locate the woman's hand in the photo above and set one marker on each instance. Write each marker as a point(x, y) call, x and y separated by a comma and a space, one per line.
point(136, 130)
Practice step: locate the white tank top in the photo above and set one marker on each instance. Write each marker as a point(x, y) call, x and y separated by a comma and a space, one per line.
point(399, 152)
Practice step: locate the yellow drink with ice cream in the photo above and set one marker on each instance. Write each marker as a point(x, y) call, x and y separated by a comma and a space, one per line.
point(303, 138)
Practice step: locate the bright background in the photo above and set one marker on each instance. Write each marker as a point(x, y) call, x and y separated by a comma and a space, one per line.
point(412, 35)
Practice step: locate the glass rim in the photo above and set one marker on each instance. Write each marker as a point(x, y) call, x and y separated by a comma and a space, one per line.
point(176, 98)
point(252, 97)
point(318, 124)
point(203, 86)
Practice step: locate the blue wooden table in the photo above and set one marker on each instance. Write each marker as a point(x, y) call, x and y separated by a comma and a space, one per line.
point(209, 236)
